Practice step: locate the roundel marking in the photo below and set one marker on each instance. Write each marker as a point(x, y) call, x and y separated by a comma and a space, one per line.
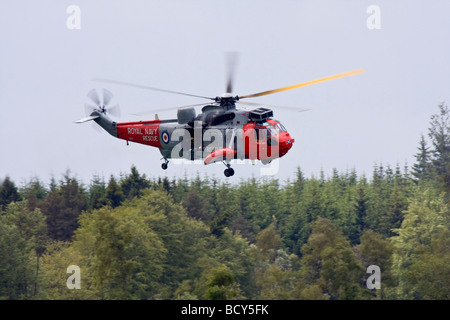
point(165, 137)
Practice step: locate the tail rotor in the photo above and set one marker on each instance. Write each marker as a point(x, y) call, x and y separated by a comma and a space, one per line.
point(100, 105)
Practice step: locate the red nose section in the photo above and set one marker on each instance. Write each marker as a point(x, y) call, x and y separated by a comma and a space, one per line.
point(286, 143)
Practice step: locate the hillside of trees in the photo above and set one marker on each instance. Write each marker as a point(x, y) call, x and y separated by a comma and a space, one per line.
point(307, 238)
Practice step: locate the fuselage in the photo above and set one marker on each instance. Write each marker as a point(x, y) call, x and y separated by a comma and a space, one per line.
point(249, 136)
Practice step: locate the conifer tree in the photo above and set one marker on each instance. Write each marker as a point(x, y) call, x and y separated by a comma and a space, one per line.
point(62, 206)
point(96, 193)
point(360, 207)
point(439, 133)
point(113, 193)
point(8, 193)
point(196, 207)
point(421, 169)
point(134, 184)
point(34, 193)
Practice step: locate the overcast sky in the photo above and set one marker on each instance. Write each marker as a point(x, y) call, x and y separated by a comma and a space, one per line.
point(46, 70)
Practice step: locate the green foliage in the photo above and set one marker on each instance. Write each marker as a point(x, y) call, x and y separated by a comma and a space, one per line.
point(96, 195)
point(221, 284)
point(34, 192)
point(423, 230)
point(433, 164)
point(133, 184)
point(376, 250)
point(421, 169)
point(428, 277)
point(124, 254)
point(196, 207)
point(113, 194)
point(63, 205)
point(22, 241)
point(329, 262)
point(8, 193)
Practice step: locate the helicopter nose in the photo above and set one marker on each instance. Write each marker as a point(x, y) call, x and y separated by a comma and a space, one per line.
point(286, 142)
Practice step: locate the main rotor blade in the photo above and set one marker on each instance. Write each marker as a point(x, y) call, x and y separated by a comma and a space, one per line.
point(297, 109)
point(231, 62)
point(302, 84)
point(143, 113)
point(147, 87)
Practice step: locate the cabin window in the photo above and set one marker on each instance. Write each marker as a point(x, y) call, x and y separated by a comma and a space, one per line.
point(261, 133)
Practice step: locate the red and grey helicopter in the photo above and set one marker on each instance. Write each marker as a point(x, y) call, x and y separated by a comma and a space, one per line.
point(220, 133)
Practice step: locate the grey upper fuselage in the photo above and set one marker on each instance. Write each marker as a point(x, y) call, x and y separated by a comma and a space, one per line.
point(213, 117)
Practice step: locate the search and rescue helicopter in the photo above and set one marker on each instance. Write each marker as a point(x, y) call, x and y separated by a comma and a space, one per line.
point(220, 133)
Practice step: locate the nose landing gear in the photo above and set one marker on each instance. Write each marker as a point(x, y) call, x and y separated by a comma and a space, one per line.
point(229, 171)
point(165, 164)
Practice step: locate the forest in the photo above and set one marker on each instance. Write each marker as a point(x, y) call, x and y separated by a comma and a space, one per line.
point(135, 237)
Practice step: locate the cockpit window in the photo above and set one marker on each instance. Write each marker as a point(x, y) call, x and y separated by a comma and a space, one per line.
point(265, 130)
point(274, 130)
point(281, 127)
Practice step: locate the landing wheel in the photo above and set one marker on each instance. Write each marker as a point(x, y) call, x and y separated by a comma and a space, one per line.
point(164, 166)
point(229, 172)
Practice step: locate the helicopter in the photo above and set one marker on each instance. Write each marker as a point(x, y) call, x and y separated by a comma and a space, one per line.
point(220, 133)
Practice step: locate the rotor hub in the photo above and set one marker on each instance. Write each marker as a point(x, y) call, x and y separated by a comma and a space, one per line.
point(227, 100)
